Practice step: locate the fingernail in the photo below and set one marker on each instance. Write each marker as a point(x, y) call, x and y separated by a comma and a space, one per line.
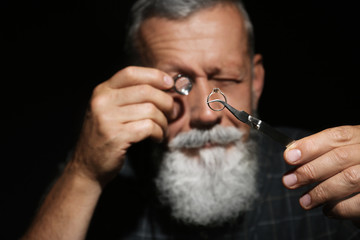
point(290, 180)
point(168, 81)
point(293, 155)
point(305, 201)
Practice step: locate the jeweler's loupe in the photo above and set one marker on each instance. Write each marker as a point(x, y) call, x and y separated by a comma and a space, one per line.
point(212, 100)
point(182, 84)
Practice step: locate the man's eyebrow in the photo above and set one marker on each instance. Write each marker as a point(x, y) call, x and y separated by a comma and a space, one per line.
point(178, 67)
point(238, 73)
point(175, 66)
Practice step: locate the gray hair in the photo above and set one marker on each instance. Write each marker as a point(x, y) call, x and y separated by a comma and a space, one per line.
point(175, 10)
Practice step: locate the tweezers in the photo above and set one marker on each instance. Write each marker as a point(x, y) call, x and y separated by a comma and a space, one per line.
point(257, 124)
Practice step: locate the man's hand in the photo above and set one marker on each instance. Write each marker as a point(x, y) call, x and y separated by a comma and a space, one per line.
point(330, 158)
point(126, 109)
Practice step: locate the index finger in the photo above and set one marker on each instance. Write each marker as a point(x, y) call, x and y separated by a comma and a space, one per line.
point(311, 147)
point(131, 76)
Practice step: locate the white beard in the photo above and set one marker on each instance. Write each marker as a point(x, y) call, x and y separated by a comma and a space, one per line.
point(213, 186)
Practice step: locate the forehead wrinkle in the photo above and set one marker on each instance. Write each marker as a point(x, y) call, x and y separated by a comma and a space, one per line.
point(176, 37)
point(161, 38)
point(188, 27)
point(159, 41)
point(184, 64)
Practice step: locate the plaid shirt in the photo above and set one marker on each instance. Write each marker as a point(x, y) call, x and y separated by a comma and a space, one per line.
point(128, 211)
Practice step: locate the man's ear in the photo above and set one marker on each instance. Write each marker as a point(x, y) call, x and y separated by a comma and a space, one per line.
point(258, 79)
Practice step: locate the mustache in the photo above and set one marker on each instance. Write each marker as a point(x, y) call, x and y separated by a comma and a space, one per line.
point(198, 138)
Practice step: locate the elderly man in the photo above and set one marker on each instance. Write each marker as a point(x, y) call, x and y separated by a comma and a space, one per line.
point(203, 173)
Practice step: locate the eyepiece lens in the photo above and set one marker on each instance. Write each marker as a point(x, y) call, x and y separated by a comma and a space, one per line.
point(183, 84)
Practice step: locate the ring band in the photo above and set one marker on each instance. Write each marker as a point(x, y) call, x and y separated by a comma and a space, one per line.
point(216, 90)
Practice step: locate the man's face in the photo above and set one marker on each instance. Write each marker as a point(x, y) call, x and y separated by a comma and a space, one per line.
point(211, 47)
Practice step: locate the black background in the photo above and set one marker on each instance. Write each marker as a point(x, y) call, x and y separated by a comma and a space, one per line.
point(54, 52)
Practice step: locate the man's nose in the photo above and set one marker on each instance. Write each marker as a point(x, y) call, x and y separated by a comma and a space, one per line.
point(202, 117)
